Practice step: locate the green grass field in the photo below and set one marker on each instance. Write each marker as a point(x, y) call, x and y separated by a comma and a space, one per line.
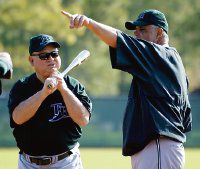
point(97, 158)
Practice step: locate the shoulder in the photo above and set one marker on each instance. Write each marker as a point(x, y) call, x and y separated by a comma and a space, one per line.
point(75, 86)
point(73, 82)
point(167, 52)
point(27, 79)
point(24, 81)
point(129, 40)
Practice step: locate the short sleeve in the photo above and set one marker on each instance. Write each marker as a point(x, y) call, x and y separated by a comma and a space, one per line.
point(134, 56)
point(16, 96)
point(79, 91)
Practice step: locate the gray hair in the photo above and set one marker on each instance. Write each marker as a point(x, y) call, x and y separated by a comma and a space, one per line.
point(165, 36)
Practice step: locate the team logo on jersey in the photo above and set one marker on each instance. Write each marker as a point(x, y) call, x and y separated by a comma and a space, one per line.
point(59, 112)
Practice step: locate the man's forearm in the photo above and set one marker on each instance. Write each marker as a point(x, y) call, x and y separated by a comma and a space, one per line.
point(75, 108)
point(104, 32)
point(27, 109)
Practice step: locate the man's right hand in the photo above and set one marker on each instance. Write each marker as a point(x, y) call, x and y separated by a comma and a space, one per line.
point(50, 85)
point(76, 20)
point(104, 32)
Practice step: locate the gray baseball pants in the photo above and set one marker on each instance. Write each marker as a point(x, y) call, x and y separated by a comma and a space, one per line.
point(162, 153)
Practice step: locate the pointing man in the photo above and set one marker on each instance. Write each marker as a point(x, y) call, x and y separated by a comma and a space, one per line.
point(158, 114)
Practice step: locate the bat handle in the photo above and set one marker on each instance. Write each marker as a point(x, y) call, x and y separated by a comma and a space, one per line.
point(52, 84)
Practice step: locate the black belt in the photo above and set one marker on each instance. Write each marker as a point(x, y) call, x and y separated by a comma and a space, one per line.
point(46, 160)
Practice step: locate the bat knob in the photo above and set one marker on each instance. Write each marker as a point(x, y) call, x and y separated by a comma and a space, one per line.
point(52, 84)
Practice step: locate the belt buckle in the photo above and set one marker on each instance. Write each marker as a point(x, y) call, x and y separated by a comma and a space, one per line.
point(46, 160)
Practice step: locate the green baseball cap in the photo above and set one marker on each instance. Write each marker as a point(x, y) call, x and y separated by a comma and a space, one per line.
point(39, 42)
point(149, 17)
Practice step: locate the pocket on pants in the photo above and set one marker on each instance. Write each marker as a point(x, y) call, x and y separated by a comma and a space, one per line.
point(172, 154)
point(71, 162)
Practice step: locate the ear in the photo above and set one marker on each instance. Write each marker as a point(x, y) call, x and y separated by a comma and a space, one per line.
point(159, 35)
point(159, 32)
point(31, 60)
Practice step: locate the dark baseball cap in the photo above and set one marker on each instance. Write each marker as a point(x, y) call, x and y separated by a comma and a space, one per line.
point(39, 42)
point(149, 17)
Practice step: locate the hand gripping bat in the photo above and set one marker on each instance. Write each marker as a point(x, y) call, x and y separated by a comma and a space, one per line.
point(77, 61)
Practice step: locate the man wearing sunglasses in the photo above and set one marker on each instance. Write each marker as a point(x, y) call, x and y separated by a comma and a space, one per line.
point(47, 121)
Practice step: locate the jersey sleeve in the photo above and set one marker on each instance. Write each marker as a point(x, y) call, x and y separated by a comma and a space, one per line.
point(79, 91)
point(16, 96)
point(134, 56)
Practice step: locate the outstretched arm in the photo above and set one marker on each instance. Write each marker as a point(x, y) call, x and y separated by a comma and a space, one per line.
point(104, 32)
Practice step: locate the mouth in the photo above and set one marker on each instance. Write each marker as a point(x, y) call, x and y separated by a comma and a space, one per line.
point(51, 65)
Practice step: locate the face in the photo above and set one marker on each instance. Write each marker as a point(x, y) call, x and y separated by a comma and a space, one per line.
point(49, 66)
point(148, 33)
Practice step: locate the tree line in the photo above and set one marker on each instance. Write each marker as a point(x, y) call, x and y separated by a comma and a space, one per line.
point(23, 19)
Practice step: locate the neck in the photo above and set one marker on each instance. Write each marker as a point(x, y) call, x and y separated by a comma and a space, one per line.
point(162, 41)
point(42, 79)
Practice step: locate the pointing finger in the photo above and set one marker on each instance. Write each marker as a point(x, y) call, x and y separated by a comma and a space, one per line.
point(66, 14)
point(81, 20)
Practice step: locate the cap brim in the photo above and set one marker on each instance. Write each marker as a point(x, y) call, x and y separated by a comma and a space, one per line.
point(132, 25)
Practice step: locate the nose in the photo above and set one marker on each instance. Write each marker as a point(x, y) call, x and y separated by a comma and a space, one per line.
point(50, 57)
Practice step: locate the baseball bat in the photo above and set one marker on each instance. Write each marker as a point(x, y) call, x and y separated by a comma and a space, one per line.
point(75, 62)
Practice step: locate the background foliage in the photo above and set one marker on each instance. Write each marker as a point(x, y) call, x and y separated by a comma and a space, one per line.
point(23, 19)
point(20, 20)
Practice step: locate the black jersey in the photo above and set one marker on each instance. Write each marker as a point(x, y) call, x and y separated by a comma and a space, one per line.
point(158, 100)
point(51, 130)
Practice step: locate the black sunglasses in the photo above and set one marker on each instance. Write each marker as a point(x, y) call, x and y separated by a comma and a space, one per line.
point(46, 56)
